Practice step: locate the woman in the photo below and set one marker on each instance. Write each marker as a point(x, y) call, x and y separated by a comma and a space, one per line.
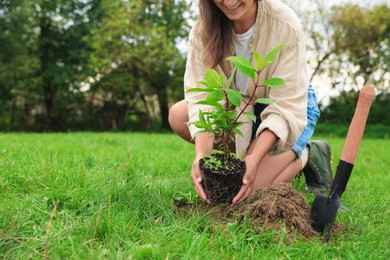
point(235, 27)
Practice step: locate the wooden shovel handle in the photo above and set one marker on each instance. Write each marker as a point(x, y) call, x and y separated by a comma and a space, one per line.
point(356, 129)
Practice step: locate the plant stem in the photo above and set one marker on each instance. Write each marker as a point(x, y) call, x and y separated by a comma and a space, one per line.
point(225, 136)
point(256, 84)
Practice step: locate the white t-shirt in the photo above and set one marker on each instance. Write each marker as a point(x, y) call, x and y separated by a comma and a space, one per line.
point(241, 43)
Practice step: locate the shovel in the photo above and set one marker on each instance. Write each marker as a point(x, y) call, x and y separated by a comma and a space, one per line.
point(324, 208)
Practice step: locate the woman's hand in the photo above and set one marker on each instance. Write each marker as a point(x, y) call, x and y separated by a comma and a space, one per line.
point(203, 145)
point(247, 181)
point(256, 151)
point(196, 177)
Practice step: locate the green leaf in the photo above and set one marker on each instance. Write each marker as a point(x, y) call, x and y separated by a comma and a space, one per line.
point(244, 65)
point(222, 124)
point(238, 131)
point(201, 125)
point(235, 97)
point(230, 80)
point(231, 114)
point(251, 115)
point(265, 101)
point(238, 124)
point(203, 82)
point(212, 114)
point(201, 117)
point(184, 197)
point(214, 104)
point(199, 90)
point(213, 79)
point(272, 54)
point(259, 61)
point(274, 83)
point(215, 96)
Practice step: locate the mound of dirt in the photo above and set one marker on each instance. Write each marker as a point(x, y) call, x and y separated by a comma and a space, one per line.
point(279, 207)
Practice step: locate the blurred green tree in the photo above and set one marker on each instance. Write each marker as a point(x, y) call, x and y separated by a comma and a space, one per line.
point(349, 44)
point(44, 60)
point(139, 38)
point(63, 51)
point(18, 67)
point(362, 36)
point(66, 63)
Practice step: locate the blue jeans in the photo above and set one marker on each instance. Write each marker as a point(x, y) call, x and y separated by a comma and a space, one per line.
point(313, 113)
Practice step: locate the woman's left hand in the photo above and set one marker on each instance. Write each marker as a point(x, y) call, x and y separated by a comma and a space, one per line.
point(247, 181)
point(258, 148)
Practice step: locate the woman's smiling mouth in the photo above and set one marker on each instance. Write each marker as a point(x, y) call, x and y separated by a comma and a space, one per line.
point(232, 8)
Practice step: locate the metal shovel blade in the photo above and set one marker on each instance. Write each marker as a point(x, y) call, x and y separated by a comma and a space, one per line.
point(323, 213)
point(324, 208)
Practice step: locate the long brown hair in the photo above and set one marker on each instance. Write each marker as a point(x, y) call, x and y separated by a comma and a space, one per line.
point(217, 33)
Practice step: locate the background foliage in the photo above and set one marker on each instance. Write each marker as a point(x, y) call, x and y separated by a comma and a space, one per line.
point(89, 64)
point(118, 65)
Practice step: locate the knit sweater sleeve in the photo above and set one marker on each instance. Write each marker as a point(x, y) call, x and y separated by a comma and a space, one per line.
point(287, 117)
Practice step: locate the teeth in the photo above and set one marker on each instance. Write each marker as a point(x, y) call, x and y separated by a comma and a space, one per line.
point(232, 8)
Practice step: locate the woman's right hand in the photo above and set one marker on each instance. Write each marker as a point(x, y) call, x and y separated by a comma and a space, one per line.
point(196, 177)
point(203, 145)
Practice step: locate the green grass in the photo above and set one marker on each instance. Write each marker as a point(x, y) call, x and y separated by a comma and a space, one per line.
point(109, 195)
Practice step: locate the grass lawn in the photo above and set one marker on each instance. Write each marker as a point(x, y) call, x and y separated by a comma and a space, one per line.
point(109, 195)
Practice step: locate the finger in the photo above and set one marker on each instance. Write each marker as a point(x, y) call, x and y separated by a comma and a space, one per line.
point(197, 191)
point(246, 180)
point(248, 177)
point(196, 172)
point(196, 178)
point(245, 196)
point(240, 194)
point(201, 192)
point(198, 187)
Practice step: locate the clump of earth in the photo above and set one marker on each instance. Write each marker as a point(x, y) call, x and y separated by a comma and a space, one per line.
point(278, 207)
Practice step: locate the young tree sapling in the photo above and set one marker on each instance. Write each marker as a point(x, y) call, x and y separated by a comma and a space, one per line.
point(222, 117)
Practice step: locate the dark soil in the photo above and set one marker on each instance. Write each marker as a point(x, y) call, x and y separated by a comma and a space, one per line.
point(221, 184)
point(279, 208)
